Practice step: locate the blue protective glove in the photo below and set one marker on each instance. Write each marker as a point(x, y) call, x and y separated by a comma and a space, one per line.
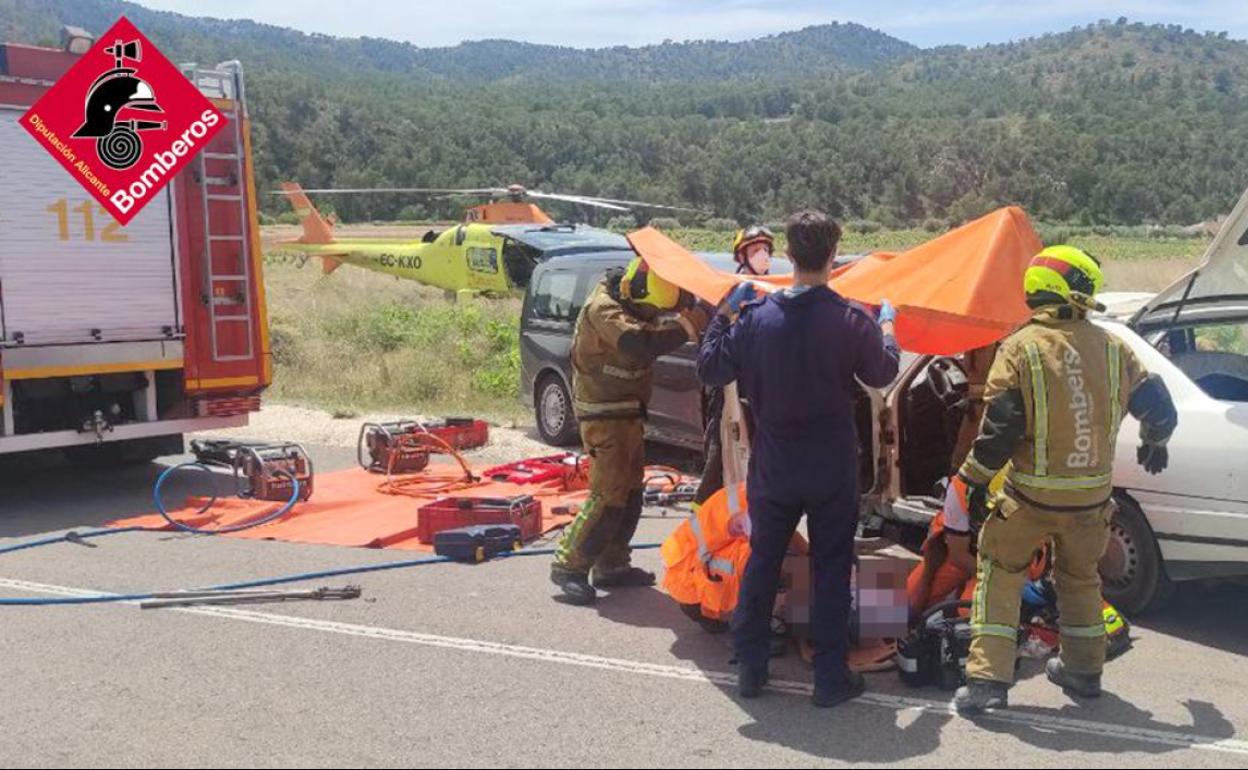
point(741, 293)
point(887, 314)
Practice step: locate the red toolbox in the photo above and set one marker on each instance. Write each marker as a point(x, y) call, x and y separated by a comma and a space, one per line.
point(571, 470)
point(461, 432)
point(524, 511)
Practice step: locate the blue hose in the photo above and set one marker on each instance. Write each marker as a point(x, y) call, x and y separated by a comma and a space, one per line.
point(158, 498)
point(280, 580)
point(71, 536)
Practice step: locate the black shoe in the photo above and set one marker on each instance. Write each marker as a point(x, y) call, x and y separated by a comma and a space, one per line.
point(1083, 685)
point(851, 686)
point(980, 694)
point(751, 680)
point(623, 577)
point(575, 586)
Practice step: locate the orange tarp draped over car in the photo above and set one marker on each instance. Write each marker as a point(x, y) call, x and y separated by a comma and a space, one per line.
point(960, 291)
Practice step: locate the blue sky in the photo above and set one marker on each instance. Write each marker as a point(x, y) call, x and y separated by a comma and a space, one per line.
point(596, 23)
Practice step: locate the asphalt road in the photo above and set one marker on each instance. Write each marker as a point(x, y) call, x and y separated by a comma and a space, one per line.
point(455, 665)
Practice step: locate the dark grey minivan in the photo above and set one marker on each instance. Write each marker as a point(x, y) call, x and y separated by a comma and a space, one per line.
point(557, 290)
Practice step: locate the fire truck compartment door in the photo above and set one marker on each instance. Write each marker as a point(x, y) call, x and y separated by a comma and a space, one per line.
point(68, 273)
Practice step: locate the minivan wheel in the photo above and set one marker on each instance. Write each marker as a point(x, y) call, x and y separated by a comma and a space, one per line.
point(556, 421)
point(1133, 577)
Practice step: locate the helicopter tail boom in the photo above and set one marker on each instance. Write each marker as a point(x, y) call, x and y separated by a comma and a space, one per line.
point(315, 228)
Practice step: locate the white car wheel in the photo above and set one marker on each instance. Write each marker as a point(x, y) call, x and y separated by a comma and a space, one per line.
point(1133, 578)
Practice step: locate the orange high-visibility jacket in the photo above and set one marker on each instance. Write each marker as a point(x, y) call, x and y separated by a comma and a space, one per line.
point(705, 559)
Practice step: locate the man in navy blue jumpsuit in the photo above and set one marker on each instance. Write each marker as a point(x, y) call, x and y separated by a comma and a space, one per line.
point(795, 356)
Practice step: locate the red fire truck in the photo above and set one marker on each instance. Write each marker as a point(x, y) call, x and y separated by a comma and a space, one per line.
point(116, 341)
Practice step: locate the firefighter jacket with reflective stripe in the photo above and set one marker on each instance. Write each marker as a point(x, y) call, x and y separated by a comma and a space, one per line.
point(613, 352)
point(1056, 396)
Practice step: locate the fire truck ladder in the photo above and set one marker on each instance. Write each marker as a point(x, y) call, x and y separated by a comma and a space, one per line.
point(228, 295)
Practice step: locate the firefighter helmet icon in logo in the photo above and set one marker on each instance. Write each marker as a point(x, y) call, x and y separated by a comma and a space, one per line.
point(118, 90)
point(125, 122)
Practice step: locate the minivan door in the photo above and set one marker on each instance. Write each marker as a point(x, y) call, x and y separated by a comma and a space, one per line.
point(675, 411)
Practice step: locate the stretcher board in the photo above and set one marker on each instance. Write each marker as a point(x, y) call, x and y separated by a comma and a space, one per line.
point(735, 440)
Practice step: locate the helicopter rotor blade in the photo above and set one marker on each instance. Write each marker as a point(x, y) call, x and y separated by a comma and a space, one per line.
point(401, 190)
point(515, 192)
point(577, 199)
point(645, 205)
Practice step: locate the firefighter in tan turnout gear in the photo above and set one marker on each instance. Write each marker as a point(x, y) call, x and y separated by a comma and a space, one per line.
point(631, 319)
point(1056, 395)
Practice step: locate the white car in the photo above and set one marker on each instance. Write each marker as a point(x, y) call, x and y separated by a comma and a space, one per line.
point(1188, 523)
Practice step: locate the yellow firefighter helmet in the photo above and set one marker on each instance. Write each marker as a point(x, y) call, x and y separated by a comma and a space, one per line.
point(642, 286)
point(1064, 272)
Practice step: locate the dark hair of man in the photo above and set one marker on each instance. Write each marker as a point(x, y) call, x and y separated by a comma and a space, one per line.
point(813, 237)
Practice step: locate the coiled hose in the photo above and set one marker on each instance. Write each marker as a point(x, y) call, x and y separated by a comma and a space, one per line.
point(158, 498)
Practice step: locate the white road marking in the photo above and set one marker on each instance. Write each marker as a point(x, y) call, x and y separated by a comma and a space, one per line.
point(1169, 738)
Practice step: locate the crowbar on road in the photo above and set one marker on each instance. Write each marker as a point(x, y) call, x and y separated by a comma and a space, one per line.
point(211, 597)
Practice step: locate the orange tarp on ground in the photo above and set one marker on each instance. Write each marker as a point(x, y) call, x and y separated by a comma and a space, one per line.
point(347, 508)
point(960, 291)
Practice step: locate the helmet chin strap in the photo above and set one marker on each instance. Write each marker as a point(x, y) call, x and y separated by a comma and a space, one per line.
point(1085, 302)
point(1079, 305)
point(746, 265)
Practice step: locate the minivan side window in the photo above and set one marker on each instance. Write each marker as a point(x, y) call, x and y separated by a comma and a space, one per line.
point(554, 296)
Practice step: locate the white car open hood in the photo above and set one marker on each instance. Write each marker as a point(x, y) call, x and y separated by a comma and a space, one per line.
point(1215, 291)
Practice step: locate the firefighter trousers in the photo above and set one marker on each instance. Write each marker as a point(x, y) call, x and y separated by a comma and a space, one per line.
point(601, 533)
point(1006, 544)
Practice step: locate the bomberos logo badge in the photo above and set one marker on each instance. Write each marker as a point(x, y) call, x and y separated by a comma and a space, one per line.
point(123, 121)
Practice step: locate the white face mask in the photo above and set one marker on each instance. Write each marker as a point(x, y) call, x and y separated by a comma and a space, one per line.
point(758, 257)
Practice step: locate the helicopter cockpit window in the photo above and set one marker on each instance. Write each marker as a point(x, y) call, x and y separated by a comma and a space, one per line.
point(482, 260)
point(519, 261)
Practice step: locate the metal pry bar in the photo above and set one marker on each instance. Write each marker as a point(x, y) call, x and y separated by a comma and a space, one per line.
point(211, 597)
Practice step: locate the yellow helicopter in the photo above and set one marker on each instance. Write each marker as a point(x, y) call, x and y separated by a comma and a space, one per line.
point(492, 252)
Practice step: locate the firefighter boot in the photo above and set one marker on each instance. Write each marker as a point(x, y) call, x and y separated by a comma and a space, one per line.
point(622, 577)
point(582, 543)
point(575, 586)
point(613, 570)
point(1083, 685)
point(751, 680)
point(980, 694)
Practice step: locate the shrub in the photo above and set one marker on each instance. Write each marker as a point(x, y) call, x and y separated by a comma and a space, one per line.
point(622, 224)
point(864, 226)
point(665, 223)
point(721, 225)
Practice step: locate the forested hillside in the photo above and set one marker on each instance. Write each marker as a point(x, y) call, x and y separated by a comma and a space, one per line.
point(1113, 123)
